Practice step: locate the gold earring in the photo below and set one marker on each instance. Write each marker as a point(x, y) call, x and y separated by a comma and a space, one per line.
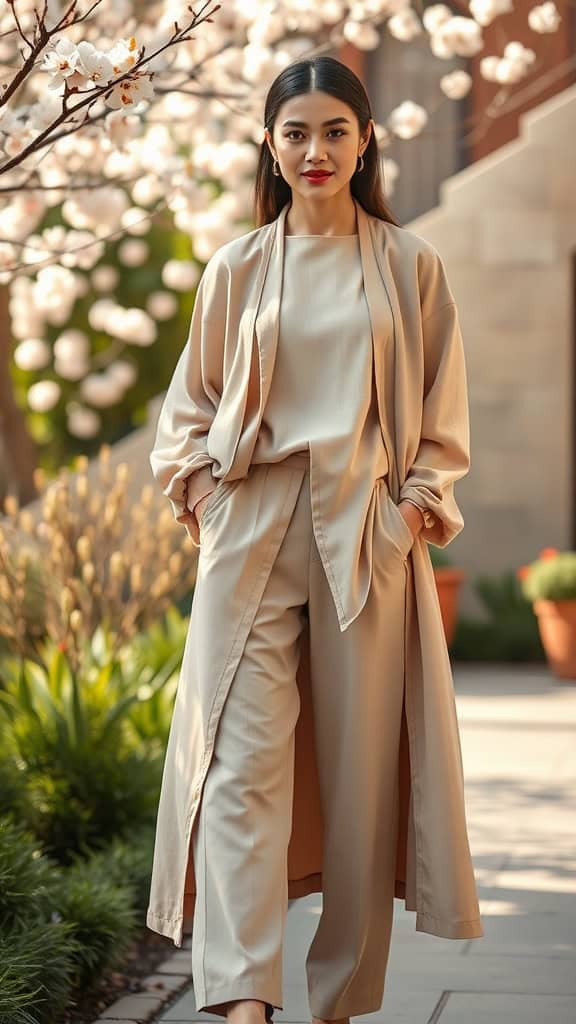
point(361, 168)
point(275, 167)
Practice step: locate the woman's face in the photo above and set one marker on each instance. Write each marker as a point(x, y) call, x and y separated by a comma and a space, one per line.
point(313, 144)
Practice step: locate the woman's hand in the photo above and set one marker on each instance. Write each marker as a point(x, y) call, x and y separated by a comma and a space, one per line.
point(198, 507)
point(412, 516)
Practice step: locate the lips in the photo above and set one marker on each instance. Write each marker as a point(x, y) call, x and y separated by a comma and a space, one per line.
point(315, 175)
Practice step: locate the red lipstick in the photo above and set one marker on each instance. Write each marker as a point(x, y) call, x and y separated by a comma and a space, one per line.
point(317, 176)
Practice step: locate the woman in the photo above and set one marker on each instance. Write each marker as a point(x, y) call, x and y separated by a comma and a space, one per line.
point(309, 442)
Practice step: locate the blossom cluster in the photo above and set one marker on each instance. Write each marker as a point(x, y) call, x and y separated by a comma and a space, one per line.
point(126, 113)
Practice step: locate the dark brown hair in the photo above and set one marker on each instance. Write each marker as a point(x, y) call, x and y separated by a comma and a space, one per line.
point(271, 191)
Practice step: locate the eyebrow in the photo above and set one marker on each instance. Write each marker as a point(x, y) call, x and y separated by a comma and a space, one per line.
point(303, 124)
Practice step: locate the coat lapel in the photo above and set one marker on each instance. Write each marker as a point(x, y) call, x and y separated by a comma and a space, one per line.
point(269, 295)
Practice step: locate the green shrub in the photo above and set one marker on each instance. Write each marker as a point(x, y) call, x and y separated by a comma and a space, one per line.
point(128, 861)
point(510, 630)
point(36, 972)
point(62, 928)
point(26, 877)
point(88, 775)
point(13, 798)
point(37, 948)
point(439, 558)
point(552, 576)
point(102, 918)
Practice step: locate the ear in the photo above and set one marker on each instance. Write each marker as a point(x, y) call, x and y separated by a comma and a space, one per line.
point(268, 139)
point(366, 136)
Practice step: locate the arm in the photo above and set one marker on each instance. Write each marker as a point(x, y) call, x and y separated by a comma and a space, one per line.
point(180, 459)
point(443, 454)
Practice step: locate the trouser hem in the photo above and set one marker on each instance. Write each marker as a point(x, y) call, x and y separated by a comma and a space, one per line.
point(348, 1007)
point(214, 1000)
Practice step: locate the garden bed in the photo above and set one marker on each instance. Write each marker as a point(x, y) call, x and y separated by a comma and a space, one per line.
point(146, 954)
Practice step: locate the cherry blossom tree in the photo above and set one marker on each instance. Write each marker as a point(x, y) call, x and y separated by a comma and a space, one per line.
point(116, 115)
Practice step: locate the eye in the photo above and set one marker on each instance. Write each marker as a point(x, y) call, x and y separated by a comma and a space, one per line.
point(298, 132)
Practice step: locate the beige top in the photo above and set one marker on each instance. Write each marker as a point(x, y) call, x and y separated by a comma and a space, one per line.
point(319, 399)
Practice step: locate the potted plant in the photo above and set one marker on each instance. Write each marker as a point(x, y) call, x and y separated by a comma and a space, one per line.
point(449, 579)
point(550, 584)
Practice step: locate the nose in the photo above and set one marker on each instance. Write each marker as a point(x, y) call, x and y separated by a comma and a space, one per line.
point(315, 150)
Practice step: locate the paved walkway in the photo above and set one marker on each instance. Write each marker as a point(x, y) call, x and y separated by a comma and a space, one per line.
point(518, 729)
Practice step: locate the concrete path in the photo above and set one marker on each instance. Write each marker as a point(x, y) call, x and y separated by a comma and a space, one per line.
point(518, 729)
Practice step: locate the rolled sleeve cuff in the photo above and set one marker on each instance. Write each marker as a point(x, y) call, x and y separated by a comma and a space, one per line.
point(448, 521)
point(198, 485)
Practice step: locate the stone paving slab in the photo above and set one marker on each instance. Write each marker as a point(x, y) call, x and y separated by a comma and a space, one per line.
point(401, 1006)
point(136, 1007)
point(514, 1008)
point(517, 727)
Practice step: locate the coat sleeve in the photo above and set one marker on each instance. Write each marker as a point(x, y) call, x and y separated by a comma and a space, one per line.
point(179, 458)
point(443, 454)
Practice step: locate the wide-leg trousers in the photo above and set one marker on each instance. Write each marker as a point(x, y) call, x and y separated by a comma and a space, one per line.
point(241, 835)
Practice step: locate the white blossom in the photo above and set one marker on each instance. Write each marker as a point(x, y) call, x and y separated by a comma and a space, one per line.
point(72, 344)
point(32, 354)
point(456, 37)
point(94, 64)
point(136, 221)
point(44, 395)
point(544, 18)
point(121, 126)
point(405, 26)
point(101, 390)
point(54, 292)
point(60, 62)
point(71, 369)
point(485, 11)
point(124, 373)
point(104, 278)
point(147, 190)
point(456, 84)
point(181, 275)
point(332, 11)
point(81, 250)
point(132, 325)
point(82, 422)
point(435, 16)
point(362, 35)
point(192, 157)
point(130, 91)
point(162, 305)
point(407, 120)
point(101, 312)
point(510, 68)
point(133, 252)
point(99, 210)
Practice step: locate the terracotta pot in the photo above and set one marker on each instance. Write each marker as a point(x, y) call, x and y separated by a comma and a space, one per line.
point(448, 582)
point(557, 625)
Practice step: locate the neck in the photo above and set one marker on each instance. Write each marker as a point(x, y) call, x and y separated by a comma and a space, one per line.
point(331, 217)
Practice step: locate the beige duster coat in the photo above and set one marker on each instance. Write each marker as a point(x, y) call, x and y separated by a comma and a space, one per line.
point(206, 433)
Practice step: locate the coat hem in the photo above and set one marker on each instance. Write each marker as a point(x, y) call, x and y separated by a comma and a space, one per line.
point(468, 929)
point(170, 927)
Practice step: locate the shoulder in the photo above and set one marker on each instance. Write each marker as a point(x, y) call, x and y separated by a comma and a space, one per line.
point(421, 262)
point(410, 244)
point(241, 251)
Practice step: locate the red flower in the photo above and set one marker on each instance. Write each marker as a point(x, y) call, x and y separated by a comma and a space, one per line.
point(548, 553)
point(522, 572)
